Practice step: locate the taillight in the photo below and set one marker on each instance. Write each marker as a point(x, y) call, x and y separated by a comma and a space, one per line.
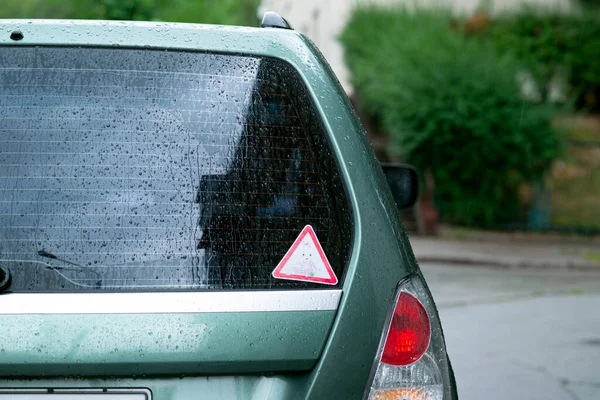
point(411, 362)
point(409, 332)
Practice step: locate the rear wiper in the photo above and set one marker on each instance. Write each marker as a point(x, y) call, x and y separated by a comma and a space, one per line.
point(45, 254)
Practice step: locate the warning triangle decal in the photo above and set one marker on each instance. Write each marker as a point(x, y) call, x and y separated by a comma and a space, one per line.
point(305, 261)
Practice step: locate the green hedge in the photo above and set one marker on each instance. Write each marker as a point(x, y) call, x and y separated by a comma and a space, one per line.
point(452, 106)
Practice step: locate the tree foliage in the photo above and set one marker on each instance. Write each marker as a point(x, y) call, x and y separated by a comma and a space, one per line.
point(547, 42)
point(230, 12)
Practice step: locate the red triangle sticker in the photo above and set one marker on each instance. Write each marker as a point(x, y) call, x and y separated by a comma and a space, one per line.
point(306, 261)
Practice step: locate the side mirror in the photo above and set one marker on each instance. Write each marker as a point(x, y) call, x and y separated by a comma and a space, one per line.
point(403, 180)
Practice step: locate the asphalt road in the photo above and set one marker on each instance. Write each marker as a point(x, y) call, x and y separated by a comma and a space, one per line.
point(520, 334)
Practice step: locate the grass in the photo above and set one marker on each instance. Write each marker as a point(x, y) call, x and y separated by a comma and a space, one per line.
point(579, 128)
point(591, 255)
point(575, 181)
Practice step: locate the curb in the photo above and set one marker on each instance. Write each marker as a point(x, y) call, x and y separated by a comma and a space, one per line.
point(569, 265)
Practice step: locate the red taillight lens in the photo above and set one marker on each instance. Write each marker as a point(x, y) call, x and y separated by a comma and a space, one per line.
point(409, 333)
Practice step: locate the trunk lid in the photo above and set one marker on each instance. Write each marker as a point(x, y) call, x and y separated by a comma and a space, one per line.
point(146, 198)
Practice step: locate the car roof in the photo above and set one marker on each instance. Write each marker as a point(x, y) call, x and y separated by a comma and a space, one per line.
point(273, 42)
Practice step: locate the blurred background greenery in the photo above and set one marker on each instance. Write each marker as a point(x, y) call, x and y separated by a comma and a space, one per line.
point(499, 111)
point(230, 12)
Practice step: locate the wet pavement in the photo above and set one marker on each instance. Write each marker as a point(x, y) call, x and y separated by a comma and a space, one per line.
point(520, 333)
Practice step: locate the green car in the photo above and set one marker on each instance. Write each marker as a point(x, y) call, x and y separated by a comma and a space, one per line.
point(195, 212)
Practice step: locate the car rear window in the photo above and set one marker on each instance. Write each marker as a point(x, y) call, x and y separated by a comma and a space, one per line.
point(125, 169)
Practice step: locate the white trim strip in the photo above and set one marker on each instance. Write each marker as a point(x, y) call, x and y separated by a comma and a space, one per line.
point(169, 303)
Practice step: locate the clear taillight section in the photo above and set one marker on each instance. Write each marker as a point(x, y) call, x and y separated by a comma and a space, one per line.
point(411, 362)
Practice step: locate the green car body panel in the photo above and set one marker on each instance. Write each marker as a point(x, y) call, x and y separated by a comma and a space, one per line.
point(304, 354)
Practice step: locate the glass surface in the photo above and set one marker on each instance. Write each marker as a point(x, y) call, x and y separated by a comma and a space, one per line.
point(151, 170)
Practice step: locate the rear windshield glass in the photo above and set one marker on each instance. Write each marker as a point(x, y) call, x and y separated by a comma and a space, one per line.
point(153, 170)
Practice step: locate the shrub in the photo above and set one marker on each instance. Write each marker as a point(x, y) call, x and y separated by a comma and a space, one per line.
point(452, 106)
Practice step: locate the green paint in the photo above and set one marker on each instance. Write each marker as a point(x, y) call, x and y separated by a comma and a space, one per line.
point(161, 343)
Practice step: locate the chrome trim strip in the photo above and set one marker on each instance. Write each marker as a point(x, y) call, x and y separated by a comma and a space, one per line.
point(169, 303)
